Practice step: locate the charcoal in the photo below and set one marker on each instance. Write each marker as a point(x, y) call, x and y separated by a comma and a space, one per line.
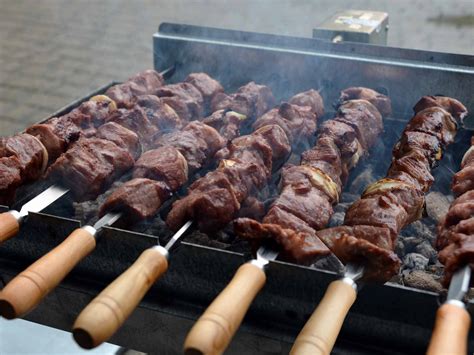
point(400, 248)
point(422, 280)
point(409, 243)
point(437, 205)
point(426, 249)
point(337, 219)
point(363, 180)
point(415, 261)
point(421, 231)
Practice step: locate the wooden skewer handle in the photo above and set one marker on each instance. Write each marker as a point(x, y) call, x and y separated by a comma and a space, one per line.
point(26, 290)
point(109, 310)
point(320, 332)
point(451, 331)
point(9, 226)
point(214, 330)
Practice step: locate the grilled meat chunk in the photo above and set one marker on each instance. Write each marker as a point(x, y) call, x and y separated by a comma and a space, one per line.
point(121, 136)
point(380, 101)
point(90, 166)
point(298, 122)
point(207, 86)
point(137, 199)
point(165, 164)
point(251, 100)
point(10, 178)
point(226, 122)
point(453, 106)
point(143, 83)
point(136, 120)
point(159, 113)
point(31, 154)
point(197, 142)
point(310, 98)
point(184, 98)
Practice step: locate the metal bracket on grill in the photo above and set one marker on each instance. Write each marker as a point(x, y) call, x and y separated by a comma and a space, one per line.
point(355, 26)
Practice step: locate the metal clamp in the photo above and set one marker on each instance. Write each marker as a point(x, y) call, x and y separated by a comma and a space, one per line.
point(355, 26)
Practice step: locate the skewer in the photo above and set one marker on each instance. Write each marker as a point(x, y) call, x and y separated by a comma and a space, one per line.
point(321, 330)
point(86, 332)
point(452, 319)
point(18, 302)
point(214, 330)
point(109, 310)
point(11, 220)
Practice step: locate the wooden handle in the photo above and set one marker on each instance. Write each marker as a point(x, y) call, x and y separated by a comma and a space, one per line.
point(26, 291)
point(214, 330)
point(450, 331)
point(109, 310)
point(321, 330)
point(9, 226)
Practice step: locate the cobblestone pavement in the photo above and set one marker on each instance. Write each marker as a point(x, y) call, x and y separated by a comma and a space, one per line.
point(52, 51)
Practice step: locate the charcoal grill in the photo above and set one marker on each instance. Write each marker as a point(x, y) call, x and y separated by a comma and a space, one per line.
point(385, 319)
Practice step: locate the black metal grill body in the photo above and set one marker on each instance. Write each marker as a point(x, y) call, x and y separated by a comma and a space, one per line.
point(385, 318)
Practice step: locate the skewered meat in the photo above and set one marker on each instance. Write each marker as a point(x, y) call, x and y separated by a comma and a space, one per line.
point(392, 203)
point(58, 133)
point(195, 142)
point(90, 166)
point(226, 122)
point(10, 178)
point(298, 122)
point(310, 98)
point(143, 83)
point(214, 200)
point(207, 86)
point(251, 100)
point(184, 98)
point(137, 199)
point(30, 152)
point(453, 106)
point(456, 230)
point(136, 120)
point(309, 190)
point(178, 155)
point(159, 113)
point(382, 102)
point(121, 136)
point(163, 164)
point(245, 167)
